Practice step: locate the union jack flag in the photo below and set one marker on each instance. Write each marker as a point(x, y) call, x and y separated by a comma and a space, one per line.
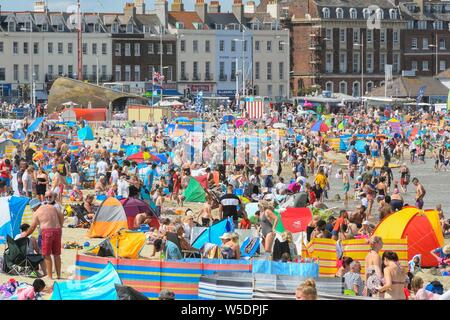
point(158, 77)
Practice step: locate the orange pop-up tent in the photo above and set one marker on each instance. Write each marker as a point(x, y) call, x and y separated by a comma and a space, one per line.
point(421, 228)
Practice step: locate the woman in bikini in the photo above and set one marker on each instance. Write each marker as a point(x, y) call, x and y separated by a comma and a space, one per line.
point(394, 278)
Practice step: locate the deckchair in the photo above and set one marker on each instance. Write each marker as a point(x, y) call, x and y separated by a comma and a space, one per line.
point(16, 261)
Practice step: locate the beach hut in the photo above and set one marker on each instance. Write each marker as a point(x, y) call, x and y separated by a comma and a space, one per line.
point(109, 219)
point(421, 228)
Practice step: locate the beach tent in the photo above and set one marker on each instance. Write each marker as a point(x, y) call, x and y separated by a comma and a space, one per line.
point(75, 114)
point(108, 219)
point(133, 207)
point(100, 286)
point(124, 244)
point(421, 228)
point(85, 133)
point(11, 212)
point(320, 126)
point(194, 192)
point(212, 234)
point(35, 125)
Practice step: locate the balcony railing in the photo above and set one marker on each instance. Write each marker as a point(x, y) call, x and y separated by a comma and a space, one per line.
point(208, 77)
point(196, 77)
point(223, 77)
point(233, 77)
point(184, 77)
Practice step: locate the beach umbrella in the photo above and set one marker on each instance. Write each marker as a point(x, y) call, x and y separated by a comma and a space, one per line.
point(393, 120)
point(341, 126)
point(143, 156)
point(69, 103)
point(320, 126)
point(296, 219)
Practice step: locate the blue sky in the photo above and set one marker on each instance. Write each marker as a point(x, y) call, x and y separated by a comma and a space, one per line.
point(95, 5)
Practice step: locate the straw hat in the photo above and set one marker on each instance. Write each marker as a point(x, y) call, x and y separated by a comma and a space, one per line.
point(446, 249)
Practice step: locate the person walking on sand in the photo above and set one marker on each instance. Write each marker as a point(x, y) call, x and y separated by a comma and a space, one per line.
point(420, 193)
point(50, 221)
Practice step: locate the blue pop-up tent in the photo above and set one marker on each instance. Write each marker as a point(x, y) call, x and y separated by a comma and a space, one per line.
point(100, 286)
point(11, 212)
point(35, 125)
point(85, 133)
point(212, 234)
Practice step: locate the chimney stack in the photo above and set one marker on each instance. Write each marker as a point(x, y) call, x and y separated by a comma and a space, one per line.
point(162, 11)
point(40, 6)
point(140, 6)
point(202, 9)
point(177, 5)
point(274, 9)
point(129, 10)
point(214, 7)
point(250, 7)
point(238, 10)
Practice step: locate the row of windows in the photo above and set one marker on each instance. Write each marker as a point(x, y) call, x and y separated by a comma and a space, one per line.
point(366, 13)
point(343, 87)
point(232, 69)
point(356, 62)
point(369, 38)
point(426, 45)
point(59, 49)
point(51, 69)
point(233, 46)
point(133, 73)
point(152, 48)
point(424, 25)
point(425, 65)
point(61, 27)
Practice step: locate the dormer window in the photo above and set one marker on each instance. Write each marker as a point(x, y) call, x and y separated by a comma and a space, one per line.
point(130, 28)
point(218, 27)
point(179, 25)
point(339, 13)
point(326, 13)
point(11, 26)
point(366, 13)
point(28, 25)
point(45, 27)
point(60, 27)
point(379, 14)
point(256, 26)
point(198, 25)
point(115, 28)
point(353, 13)
point(96, 27)
point(393, 14)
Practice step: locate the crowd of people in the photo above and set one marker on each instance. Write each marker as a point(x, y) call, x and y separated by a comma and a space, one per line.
point(47, 169)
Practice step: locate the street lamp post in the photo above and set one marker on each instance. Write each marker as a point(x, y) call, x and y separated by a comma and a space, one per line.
point(243, 63)
point(361, 45)
point(30, 48)
point(435, 45)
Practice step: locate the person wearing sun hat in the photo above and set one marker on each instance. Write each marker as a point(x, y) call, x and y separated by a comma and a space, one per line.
point(442, 255)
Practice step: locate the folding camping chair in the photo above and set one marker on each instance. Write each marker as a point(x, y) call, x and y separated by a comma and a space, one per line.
point(16, 260)
point(173, 237)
